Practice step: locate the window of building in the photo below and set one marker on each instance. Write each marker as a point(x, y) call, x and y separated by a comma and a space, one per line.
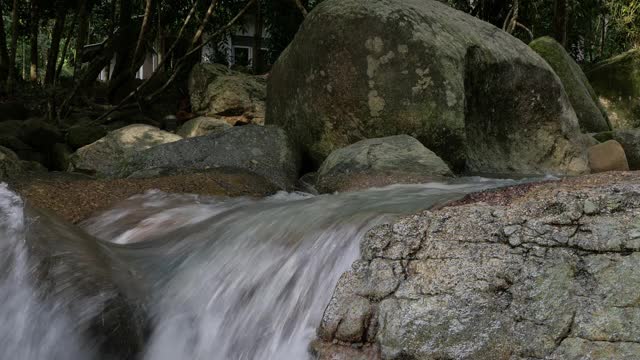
point(241, 56)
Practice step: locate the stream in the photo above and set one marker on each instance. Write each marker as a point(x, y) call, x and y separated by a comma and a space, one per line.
point(219, 278)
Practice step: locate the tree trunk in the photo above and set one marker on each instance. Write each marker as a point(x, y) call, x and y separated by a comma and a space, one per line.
point(54, 50)
point(65, 48)
point(83, 34)
point(33, 33)
point(560, 21)
point(198, 36)
point(144, 29)
point(14, 47)
point(257, 40)
point(603, 35)
point(4, 53)
point(123, 45)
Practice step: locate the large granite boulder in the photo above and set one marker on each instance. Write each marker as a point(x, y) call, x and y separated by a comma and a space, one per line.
point(617, 82)
point(108, 156)
point(216, 90)
point(398, 159)
point(553, 275)
point(265, 151)
point(364, 69)
point(592, 117)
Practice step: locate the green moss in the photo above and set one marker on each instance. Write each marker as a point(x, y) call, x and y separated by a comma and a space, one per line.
point(581, 95)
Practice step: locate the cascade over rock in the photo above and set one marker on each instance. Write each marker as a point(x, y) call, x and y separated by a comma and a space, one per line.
point(365, 69)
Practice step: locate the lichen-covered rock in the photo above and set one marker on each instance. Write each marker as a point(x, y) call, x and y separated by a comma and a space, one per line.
point(377, 162)
point(583, 98)
point(554, 275)
point(108, 156)
point(201, 126)
point(617, 82)
point(365, 69)
point(265, 151)
point(216, 90)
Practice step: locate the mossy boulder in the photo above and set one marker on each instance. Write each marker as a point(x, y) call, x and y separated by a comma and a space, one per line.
point(367, 69)
point(617, 82)
point(10, 165)
point(583, 98)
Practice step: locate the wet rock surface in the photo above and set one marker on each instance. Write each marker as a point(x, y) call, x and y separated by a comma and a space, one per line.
point(75, 197)
point(554, 275)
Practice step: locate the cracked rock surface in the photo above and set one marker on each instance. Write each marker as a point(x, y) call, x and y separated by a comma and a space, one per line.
point(554, 275)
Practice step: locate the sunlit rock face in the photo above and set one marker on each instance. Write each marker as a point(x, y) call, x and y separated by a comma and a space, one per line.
point(365, 69)
point(552, 276)
point(108, 156)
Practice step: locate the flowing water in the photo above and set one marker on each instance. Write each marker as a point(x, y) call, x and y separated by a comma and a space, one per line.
point(222, 278)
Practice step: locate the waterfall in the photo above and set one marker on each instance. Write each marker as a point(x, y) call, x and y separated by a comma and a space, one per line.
point(217, 278)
